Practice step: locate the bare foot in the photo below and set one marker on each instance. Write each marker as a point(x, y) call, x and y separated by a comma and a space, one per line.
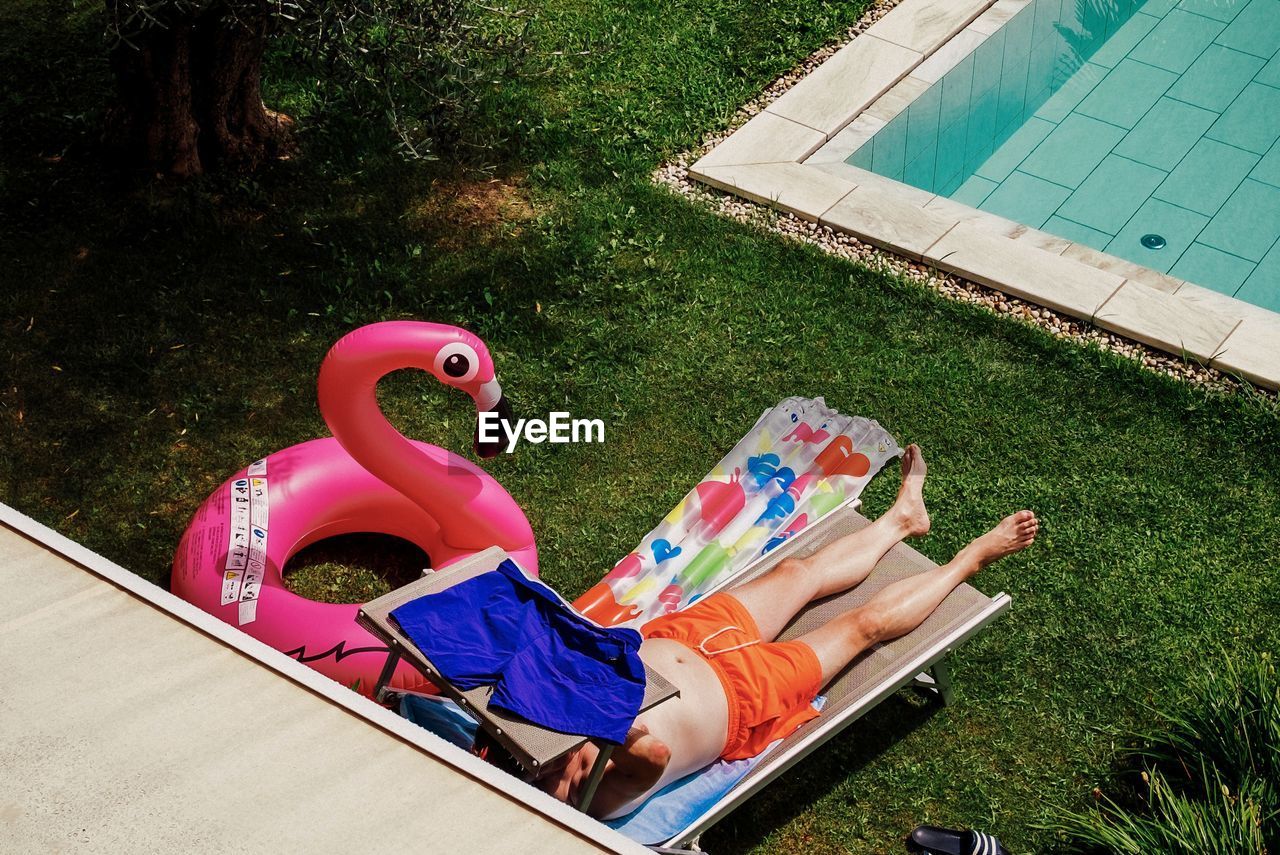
point(909, 506)
point(1012, 534)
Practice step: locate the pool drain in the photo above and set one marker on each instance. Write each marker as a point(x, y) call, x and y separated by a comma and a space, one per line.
point(1153, 241)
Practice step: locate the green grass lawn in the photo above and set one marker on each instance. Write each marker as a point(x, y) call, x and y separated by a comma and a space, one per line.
point(153, 341)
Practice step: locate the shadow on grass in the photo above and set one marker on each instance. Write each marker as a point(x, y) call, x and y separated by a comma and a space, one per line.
point(159, 337)
point(354, 567)
point(814, 778)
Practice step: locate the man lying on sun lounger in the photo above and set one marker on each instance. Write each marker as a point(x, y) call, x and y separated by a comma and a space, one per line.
point(739, 688)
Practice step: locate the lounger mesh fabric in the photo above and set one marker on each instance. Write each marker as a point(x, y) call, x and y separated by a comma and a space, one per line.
point(875, 666)
point(874, 675)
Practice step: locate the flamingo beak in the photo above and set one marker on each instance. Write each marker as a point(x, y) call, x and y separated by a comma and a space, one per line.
point(492, 400)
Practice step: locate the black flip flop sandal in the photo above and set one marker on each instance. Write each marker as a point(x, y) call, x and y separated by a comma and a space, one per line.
point(932, 840)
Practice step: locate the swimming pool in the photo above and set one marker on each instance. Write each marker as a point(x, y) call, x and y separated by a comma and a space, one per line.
point(1060, 115)
point(1146, 130)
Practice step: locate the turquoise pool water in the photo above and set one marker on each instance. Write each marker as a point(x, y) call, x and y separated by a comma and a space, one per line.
point(1108, 123)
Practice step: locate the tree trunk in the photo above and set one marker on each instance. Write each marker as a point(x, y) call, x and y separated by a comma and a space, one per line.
point(189, 95)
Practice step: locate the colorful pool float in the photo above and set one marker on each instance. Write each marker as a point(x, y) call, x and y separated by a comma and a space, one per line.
point(366, 478)
point(802, 460)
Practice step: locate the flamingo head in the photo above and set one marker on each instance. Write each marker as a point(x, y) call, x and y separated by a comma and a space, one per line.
point(350, 373)
point(463, 361)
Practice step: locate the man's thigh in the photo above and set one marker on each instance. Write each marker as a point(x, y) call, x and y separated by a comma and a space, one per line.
point(774, 598)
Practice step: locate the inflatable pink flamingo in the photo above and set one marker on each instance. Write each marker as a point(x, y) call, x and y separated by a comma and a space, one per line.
point(367, 478)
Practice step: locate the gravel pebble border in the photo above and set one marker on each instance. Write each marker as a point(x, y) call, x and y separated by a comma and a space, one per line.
point(675, 175)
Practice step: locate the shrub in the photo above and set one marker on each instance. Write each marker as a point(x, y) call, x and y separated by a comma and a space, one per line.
point(1210, 775)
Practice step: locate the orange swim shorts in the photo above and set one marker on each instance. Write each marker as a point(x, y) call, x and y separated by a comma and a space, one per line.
point(770, 686)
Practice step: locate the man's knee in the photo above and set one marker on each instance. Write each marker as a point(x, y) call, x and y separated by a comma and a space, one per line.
point(867, 625)
point(791, 567)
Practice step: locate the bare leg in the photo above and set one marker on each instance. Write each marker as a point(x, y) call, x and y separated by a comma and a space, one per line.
point(901, 607)
point(774, 598)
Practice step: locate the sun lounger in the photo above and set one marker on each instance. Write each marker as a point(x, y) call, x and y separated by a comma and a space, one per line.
point(915, 659)
point(530, 745)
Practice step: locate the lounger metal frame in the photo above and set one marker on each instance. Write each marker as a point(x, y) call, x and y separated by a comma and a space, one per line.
point(965, 613)
point(916, 659)
point(532, 746)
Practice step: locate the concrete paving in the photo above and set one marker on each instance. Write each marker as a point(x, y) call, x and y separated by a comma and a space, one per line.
point(124, 728)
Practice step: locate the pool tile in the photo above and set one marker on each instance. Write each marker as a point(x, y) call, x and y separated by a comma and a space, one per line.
point(1026, 199)
point(1249, 223)
point(890, 154)
point(982, 131)
point(862, 158)
point(1158, 8)
point(1128, 92)
point(974, 191)
point(1262, 288)
point(1077, 232)
point(919, 171)
point(951, 185)
point(1271, 74)
point(1046, 14)
point(1166, 134)
point(1071, 152)
point(1044, 56)
point(1268, 169)
point(1177, 41)
point(950, 160)
point(987, 61)
point(1126, 39)
point(1262, 291)
point(1111, 194)
point(1071, 93)
point(1219, 10)
point(1177, 226)
point(1018, 32)
point(1252, 122)
point(1254, 29)
point(1017, 51)
point(1097, 20)
point(1013, 95)
point(1213, 268)
point(922, 121)
point(1215, 79)
point(957, 87)
point(1204, 179)
point(1015, 149)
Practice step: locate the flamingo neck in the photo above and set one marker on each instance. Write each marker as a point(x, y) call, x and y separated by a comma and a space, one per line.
point(465, 502)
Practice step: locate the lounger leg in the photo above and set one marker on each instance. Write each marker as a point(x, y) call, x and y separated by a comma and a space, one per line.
point(593, 780)
point(388, 668)
point(937, 680)
point(942, 679)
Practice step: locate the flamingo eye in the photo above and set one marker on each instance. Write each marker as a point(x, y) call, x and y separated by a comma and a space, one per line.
point(458, 362)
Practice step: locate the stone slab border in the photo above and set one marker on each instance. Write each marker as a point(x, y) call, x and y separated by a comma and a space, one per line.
point(376, 716)
point(791, 156)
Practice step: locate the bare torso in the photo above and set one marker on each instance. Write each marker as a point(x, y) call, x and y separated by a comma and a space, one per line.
point(694, 727)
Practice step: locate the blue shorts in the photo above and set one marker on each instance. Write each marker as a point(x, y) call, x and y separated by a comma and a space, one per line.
point(546, 662)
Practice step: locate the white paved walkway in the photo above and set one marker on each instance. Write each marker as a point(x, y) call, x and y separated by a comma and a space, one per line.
point(125, 728)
